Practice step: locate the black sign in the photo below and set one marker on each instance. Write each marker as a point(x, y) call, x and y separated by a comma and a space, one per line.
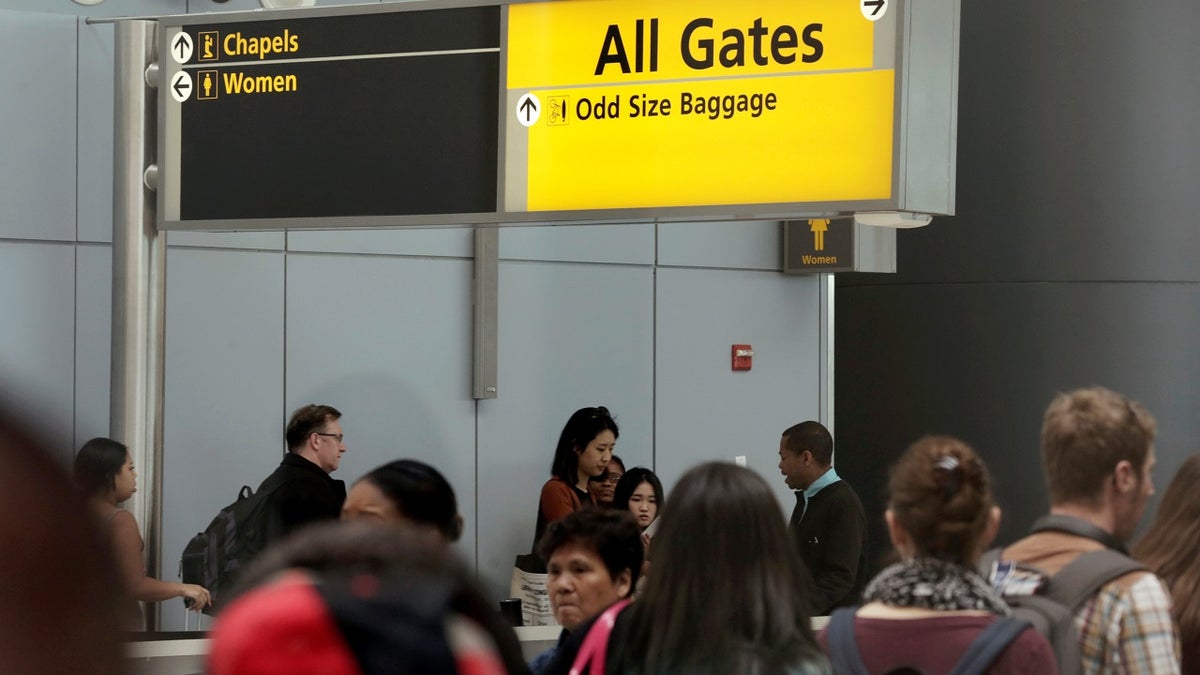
point(819, 245)
point(387, 113)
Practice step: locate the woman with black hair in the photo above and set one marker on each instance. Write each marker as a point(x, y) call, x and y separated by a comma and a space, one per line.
point(406, 491)
point(584, 450)
point(727, 593)
point(104, 471)
point(641, 493)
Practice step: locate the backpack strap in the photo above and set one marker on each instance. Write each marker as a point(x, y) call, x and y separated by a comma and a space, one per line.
point(843, 648)
point(1078, 527)
point(988, 645)
point(1086, 574)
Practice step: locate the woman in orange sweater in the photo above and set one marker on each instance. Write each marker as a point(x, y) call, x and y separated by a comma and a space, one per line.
point(584, 450)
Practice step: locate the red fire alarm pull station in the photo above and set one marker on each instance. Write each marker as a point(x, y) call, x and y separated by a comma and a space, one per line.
point(743, 357)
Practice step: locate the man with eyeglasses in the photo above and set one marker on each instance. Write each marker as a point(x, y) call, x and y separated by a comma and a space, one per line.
point(302, 491)
point(603, 487)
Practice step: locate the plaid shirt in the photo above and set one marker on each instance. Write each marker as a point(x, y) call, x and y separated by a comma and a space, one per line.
point(1126, 627)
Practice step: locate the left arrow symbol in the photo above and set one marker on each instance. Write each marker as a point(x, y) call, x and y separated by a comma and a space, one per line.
point(181, 87)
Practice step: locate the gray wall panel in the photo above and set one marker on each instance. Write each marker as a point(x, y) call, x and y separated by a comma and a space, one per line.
point(456, 242)
point(706, 411)
point(110, 8)
point(746, 245)
point(571, 336)
point(95, 129)
point(224, 389)
point(388, 342)
point(37, 344)
point(37, 105)
point(580, 243)
point(93, 341)
point(195, 6)
point(262, 241)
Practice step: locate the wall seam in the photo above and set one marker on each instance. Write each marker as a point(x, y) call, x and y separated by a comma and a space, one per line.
point(75, 268)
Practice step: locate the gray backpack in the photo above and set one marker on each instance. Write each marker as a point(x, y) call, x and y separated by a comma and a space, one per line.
point(1050, 602)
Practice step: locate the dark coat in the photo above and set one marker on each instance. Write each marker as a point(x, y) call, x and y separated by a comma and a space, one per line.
point(832, 539)
point(305, 494)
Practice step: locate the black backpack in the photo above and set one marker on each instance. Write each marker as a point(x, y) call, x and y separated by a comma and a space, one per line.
point(214, 557)
point(1049, 602)
point(846, 658)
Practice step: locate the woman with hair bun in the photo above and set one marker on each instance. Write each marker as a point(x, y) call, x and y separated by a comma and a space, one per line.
point(923, 612)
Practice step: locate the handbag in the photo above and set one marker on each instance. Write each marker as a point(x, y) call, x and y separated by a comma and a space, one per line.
point(593, 654)
point(528, 583)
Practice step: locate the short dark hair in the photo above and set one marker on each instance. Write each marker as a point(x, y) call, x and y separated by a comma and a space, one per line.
point(306, 420)
point(97, 465)
point(630, 481)
point(613, 535)
point(1085, 433)
point(582, 428)
point(421, 493)
point(813, 437)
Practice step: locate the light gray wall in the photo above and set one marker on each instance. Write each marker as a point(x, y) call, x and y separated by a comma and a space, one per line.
point(1071, 261)
point(637, 317)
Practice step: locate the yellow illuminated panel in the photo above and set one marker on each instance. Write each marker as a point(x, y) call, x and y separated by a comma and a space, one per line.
point(829, 138)
point(564, 43)
point(650, 104)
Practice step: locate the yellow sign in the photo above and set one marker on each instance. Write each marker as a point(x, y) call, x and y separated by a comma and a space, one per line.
point(664, 103)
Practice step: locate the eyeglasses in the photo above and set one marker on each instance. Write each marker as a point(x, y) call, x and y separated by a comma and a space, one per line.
point(613, 478)
point(338, 437)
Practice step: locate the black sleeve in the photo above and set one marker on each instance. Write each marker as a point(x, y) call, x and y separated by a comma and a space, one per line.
point(845, 533)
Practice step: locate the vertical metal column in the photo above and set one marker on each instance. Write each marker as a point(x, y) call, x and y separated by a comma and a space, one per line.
point(486, 293)
point(139, 276)
point(827, 287)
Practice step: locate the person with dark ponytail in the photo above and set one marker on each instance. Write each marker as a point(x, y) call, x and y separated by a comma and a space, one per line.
point(104, 472)
point(406, 491)
point(584, 450)
point(924, 612)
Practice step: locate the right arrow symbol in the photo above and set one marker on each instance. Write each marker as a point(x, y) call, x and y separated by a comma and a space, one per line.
point(876, 7)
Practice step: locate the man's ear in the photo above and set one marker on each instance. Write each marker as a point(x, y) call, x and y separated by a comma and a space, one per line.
point(1125, 478)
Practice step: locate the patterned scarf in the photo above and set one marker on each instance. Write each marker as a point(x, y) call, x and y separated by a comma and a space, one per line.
point(929, 583)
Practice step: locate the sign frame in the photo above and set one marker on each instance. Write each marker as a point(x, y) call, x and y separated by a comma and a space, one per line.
point(926, 45)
